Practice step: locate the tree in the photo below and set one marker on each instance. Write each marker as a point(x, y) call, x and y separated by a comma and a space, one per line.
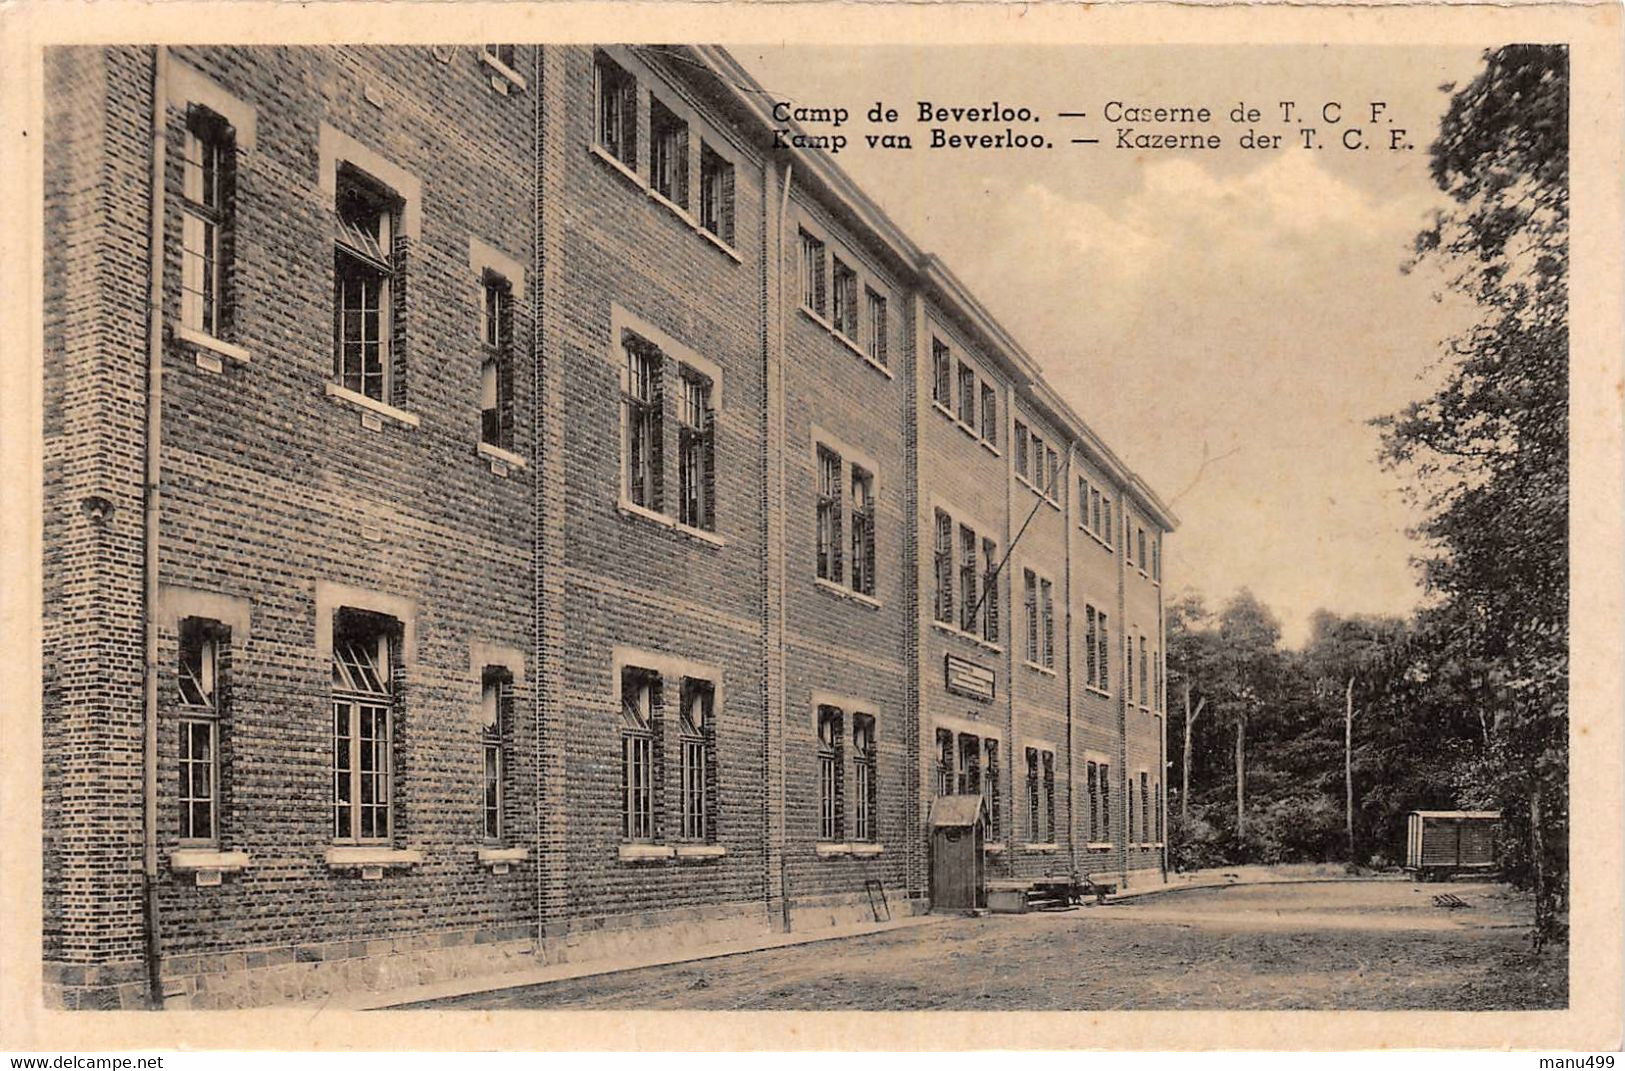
point(1487, 452)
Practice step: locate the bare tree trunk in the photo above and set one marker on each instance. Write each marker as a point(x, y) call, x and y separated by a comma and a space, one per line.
point(1537, 851)
point(1348, 763)
point(1185, 765)
point(1241, 776)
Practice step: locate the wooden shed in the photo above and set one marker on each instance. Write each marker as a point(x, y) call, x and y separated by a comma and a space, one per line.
point(957, 880)
point(1442, 843)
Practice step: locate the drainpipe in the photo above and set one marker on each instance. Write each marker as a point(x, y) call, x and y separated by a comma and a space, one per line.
point(155, 372)
point(778, 299)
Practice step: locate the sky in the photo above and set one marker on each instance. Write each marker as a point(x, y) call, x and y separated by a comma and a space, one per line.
point(1228, 320)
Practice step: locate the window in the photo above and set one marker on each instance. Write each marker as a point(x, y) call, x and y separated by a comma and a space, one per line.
point(990, 788)
point(941, 391)
point(876, 342)
point(969, 771)
point(1030, 603)
point(1090, 640)
point(1145, 696)
point(617, 95)
point(1049, 797)
point(990, 415)
point(1145, 807)
point(831, 820)
point(503, 54)
point(1094, 511)
point(863, 532)
point(1139, 535)
point(865, 787)
point(206, 170)
point(640, 423)
point(363, 287)
point(844, 309)
point(1106, 528)
point(945, 762)
point(696, 453)
point(1046, 613)
point(967, 395)
point(1033, 797)
point(1157, 801)
point(496, 370)
point(944, 561)
point(364, 681)
point(1156, 681)
point(1128, 677)
point(1092, 785)
point(1052, 472)
point(640, 730)
point(1128, 801)
point(1038, 461)
point(990, 592)
point(668, 153)
point(1021, 445)
point(716, 194)
point(968, 579)
point(1156, 556)
point(812, 274)
point(829, 515)
point(494, 714)
point(201, 644)
point(1104, 651)
point(697, 784)
point(1106, 804)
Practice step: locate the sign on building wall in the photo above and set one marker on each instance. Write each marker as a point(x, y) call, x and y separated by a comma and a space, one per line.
point(964, 677)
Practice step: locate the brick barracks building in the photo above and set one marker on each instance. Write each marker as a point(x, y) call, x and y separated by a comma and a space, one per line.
point(500, 509)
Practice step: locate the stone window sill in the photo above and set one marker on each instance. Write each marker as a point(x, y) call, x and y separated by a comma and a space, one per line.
point(629, 508)
point(1099, 846)
point(993, 848)
point(1044, 849)
point(991, 648)
point(202, 340)
point(370, 406)
point(1037, 668)
point(716, 240)
point(646, 853)
point(609, 158)
point(862, 848)
point(207, 864)
point(371, 859)
point(501, 859)
point(852, 344)
point(501, 460)
point(695, 853)
point(847, 593)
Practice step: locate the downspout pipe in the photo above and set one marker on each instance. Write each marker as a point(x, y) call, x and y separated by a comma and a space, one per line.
point(778, 301)
point(155, 394)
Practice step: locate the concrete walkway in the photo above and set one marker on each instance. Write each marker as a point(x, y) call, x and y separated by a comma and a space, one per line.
point(559, 972)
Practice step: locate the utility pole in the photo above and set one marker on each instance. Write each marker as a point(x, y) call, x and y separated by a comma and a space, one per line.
point(1185, 765)
point(1348, 763)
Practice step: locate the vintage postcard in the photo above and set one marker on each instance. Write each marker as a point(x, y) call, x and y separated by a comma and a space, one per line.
point(1104, 515)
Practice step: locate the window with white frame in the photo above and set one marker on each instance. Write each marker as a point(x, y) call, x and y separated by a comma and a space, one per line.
point(969, 578)
point(641, 422)
point(697, 782)
point(696, 452)
point(863, 531)
point(1091, 646)
point(875, 342)
point(1139, 537)
point(496, 366)
point(946, 783)
point(668, 153)
point(1030, 605)
point(943, 554)
point(831, 810)
point(364, 284)
point(640, 732)
point(941, 373)
point(1046, 615)
point(990, 592)
point(812, 274)
point(844, 298)
point(616, 93)
point(1094, 512)
point(1022, 444)
point(990, 415)
point(207, 158)
point(865, 783)
point(201, 695)
point(495, 682)
point(1156, 556)
point(829, 514)
point(365, 679)
point(503, 54)
point(967, 395)
point(716, 194)
point(1106, 511)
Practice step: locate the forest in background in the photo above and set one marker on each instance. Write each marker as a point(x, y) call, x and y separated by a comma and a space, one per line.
point(1463, 705)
